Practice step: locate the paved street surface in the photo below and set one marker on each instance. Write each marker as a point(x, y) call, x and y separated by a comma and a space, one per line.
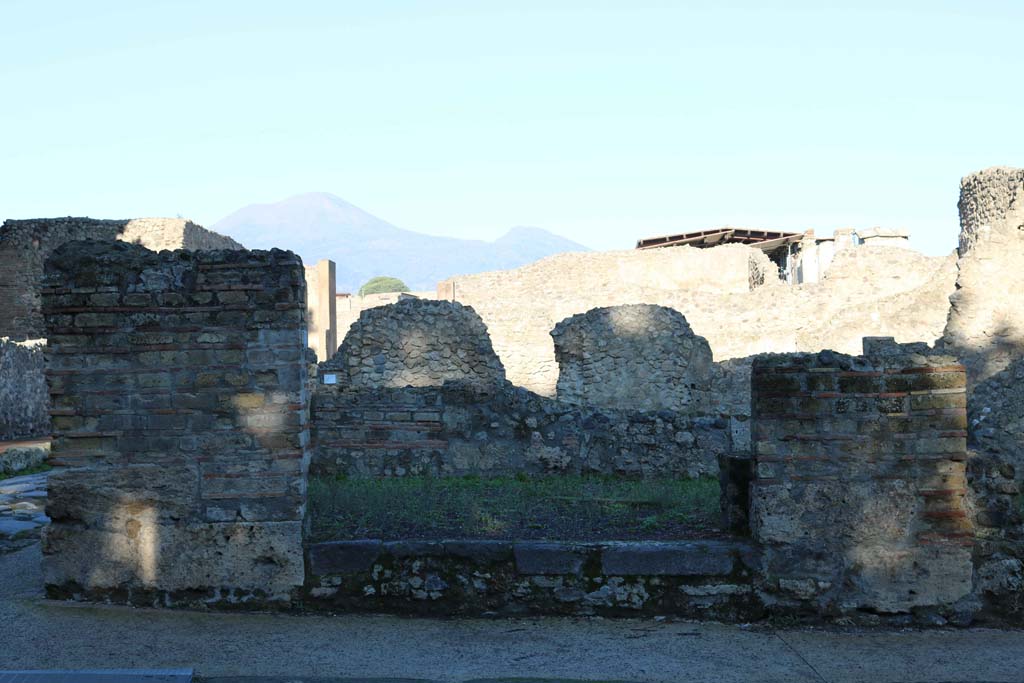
point(22, 511)
point(40, 634)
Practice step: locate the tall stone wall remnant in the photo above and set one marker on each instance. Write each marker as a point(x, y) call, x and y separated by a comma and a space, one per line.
point(986, 328)
point(24, 401)
point(179, 409)
point(986, 317)
point(637, 357)
point(415, 342)
point(859, 491)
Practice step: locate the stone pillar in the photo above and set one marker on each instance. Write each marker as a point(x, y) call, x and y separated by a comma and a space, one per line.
point(179, 406)
point(320, 309)
point(859, 486)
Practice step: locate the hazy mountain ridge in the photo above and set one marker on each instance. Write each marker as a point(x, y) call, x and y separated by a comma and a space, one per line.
point(319, 225)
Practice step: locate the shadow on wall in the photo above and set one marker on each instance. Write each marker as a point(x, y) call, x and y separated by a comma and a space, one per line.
point(995, 472)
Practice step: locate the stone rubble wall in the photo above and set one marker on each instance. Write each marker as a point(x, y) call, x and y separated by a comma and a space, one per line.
point(638, 357)
point(728, 294)
point(24, 400)
point(465, 428)
point(986, 329)
point(986, 317)
point(991, 201)
point(689, 579)
point(859, 491)
point(178, 382)
point(415, 342)
point(348, 308)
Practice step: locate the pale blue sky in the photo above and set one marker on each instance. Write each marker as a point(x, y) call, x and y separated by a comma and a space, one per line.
point(603, 121)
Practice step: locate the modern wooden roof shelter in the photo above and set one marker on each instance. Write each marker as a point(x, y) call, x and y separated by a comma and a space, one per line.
point(765, 240)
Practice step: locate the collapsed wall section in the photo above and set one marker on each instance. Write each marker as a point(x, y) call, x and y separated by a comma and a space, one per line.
point(858, 497)
point(179, 407)
point(638, 357)
point(416, 342)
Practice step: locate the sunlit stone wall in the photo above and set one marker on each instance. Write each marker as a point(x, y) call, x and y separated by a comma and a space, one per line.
point(638, 357)
point(859, 488)
point(419, 343)
point(178, 382)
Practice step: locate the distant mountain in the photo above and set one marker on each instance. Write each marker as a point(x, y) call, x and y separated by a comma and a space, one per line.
point(319, 225)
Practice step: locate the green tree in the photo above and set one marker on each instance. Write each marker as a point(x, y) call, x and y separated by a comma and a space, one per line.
point(382, 283)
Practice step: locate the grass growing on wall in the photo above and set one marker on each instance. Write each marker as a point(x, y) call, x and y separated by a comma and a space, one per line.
point(562, 507)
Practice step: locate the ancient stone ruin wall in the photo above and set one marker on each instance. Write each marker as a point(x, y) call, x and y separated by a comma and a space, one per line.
point(416, 343)
point(986, 328)
point(520, 307)
point(638, 357)
point(991, 201)
point(179, 405)
point(859, 491)
point(24, 400)
point(466, 428)
point(26, 244)
point(727, 295)
point(986, 319)
point(416, 389)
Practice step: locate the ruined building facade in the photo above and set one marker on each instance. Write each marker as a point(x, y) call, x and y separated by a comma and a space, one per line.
point(878, 484)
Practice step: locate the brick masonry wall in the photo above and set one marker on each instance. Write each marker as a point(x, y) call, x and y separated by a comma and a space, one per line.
point(467, 428)
point(26, 244)
point(178, 382)
point(24, 401)
point(859, 489)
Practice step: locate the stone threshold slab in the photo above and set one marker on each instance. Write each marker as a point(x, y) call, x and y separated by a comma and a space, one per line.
point(616, 558)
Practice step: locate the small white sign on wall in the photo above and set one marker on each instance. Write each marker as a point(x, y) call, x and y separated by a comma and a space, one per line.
point(330, 379)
